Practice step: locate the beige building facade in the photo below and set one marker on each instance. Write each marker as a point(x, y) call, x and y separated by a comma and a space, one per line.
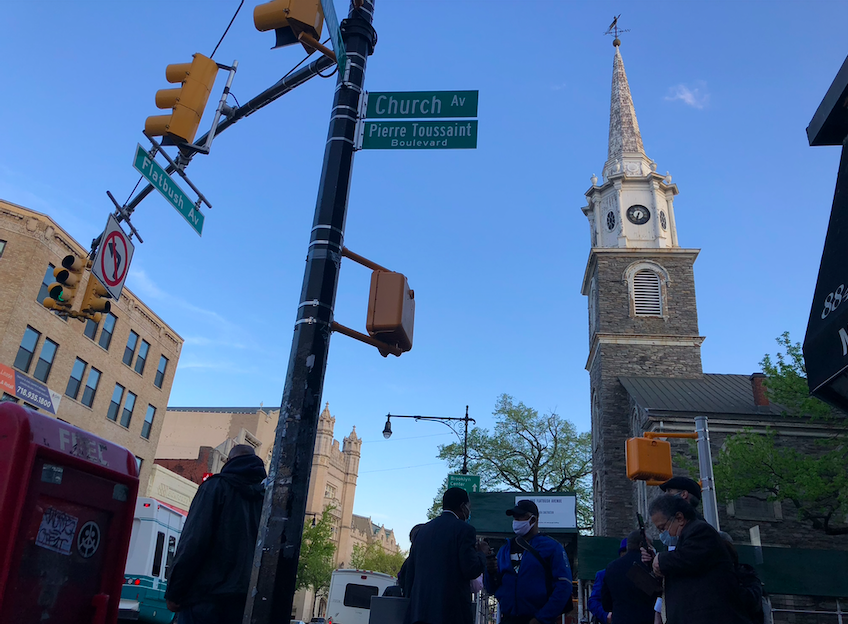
point(111, 378)
point(195, 440)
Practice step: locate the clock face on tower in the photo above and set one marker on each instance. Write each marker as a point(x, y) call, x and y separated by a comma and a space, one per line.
point(638, 214)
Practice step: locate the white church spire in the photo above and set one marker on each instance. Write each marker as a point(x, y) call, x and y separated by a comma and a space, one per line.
point(632, 205)
point(624, 135)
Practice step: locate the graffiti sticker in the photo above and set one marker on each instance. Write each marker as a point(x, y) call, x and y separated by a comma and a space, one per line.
point(56, 531)
point(88, 539)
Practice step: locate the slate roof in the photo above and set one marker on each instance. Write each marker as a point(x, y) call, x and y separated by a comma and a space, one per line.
point(710, 394)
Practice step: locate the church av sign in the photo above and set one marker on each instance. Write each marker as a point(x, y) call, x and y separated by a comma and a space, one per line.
point(826, 342)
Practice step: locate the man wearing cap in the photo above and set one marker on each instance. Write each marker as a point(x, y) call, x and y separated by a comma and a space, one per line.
point(690, 491)
point(684, 487)
point(530, 575)
point(443, 560)
point(595, 603)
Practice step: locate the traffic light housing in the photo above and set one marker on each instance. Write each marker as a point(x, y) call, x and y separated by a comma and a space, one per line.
point(95, 300)
point(64, 289)
point(187, 101)
point(391, 310)
point(289, 18)
point(648, 459)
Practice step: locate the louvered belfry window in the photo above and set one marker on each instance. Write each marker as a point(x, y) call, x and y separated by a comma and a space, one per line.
point(647, 293)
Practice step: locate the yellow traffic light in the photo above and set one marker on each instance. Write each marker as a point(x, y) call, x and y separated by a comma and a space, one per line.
point(64, 289)
point(187, 101)
point(95, 300)
point(648, 459)
point(391, 310)
point(290, 18)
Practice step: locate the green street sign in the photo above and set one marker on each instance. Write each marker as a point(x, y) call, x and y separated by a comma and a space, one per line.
point(165, 184)
point(469, 483)
point(332, 22)
point(421, 104)
point(420, 135)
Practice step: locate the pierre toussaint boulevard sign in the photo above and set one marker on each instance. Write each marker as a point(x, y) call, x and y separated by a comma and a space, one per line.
point(165, 184)
point(453, 130)
point(420, 135)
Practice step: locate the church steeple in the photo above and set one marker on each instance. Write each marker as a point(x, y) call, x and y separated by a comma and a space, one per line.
point(632, 207)
point(624, 135)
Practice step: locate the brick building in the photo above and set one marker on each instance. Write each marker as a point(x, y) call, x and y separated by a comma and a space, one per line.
point(111, 378)
point(644, 345)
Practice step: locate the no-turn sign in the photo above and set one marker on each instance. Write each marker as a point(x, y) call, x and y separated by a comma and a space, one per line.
point(112, 262)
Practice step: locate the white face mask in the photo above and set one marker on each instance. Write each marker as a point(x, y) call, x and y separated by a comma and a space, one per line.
point(521, 527)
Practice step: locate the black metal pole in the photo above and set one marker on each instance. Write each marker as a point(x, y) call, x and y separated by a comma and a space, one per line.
point(465, 445)
point(272, 582)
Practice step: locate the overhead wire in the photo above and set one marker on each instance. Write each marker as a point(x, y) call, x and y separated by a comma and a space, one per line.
point(241, 4)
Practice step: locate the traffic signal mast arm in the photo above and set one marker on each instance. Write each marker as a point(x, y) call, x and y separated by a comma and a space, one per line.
point(283, 86)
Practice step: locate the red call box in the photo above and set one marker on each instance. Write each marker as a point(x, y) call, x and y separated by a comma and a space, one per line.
point(67, 500)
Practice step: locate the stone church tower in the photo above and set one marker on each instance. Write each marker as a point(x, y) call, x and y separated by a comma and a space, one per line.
point(643, 319)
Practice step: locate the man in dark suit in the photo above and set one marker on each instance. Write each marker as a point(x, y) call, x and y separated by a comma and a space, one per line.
point(619, 595)
point(443, 560)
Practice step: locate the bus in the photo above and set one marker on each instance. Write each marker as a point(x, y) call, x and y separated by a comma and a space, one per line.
point(156, 531)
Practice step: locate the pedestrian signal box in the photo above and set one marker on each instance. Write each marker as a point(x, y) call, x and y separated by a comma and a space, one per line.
point(648, 459)
point(290, 18)
point(67, 500)
point(391, 309)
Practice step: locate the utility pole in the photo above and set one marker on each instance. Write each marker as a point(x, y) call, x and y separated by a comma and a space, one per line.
point(272, 582)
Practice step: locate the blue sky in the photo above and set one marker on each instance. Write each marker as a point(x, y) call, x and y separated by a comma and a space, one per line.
point(492, 240)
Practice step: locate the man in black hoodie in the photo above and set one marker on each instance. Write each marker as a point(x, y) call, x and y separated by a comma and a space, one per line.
point(211, 570)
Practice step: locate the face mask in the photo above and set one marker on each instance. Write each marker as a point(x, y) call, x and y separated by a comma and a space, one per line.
point(668, 539)
point(521, 527)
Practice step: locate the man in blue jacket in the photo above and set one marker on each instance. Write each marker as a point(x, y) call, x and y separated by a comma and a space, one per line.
point(530, 575)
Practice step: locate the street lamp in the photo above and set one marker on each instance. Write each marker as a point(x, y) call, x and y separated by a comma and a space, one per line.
point(387, 430)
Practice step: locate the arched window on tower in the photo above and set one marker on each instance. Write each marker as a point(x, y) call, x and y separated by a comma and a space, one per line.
point(646, 283)
point(647, 294)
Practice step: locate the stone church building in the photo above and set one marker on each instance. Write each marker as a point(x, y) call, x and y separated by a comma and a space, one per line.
point(644, 357)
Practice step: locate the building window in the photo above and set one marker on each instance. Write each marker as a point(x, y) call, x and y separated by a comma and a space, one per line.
point(8, 397)
point(647, 293)
point(330, 492)
point(126, 415)
point(141, 359)
point(115, 405)
point(160, 371)
point(148, 422)
point(90, 329)
point(45, 283)
point(755, 508)
point(138, 462)
point(24, 357)
point(76, 378)
point(132, 341)
point(90, 387)
point(108, 330)
point(45, 360)
point(2, 247)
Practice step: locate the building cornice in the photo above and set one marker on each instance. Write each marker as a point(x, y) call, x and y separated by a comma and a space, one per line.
point(641, 340)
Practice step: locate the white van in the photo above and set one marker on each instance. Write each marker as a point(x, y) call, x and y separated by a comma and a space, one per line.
point(349, 599)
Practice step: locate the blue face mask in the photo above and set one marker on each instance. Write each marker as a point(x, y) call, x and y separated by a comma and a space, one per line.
point(668, 539)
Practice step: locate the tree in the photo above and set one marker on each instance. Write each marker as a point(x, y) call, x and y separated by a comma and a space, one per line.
point(374, 557)
point(315, 566)
point(765, 467)
point(527, 452)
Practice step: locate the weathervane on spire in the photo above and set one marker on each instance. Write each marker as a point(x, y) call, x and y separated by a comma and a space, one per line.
point(615, 30)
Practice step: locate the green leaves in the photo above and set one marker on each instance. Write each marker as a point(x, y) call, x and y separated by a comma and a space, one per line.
point(315, 565)
point(813, 478)
point(375, 558)
point(527, 452)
